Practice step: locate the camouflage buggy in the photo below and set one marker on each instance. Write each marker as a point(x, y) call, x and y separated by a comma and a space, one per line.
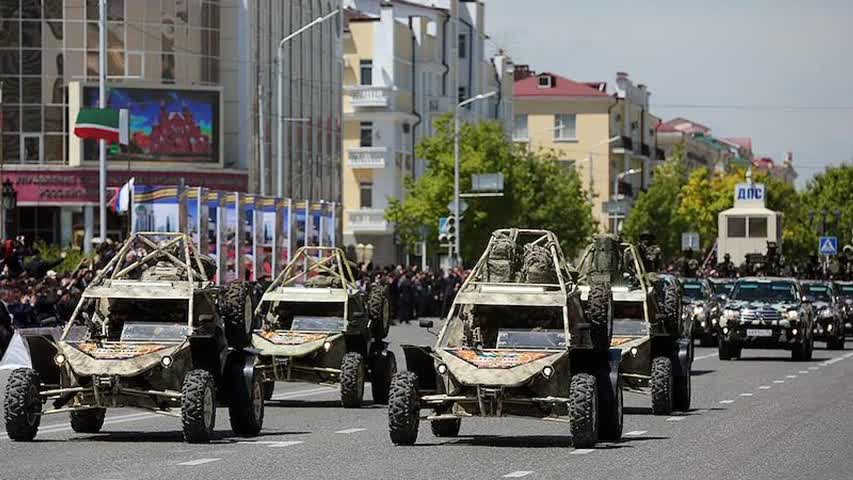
point(150, 332)
point(517, 341)
point(318, 327)
point(648, 326)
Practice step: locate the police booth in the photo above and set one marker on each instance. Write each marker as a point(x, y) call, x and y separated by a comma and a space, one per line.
point(749, 225)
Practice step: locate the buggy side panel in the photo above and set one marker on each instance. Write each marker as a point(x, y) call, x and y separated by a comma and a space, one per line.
point(43, 349)
point(420, 361)
point(239, 373)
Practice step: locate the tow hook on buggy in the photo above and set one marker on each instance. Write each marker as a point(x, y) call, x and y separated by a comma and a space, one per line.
point(490, 400)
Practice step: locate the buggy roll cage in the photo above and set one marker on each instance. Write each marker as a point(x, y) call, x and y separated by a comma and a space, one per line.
point(639, 268)
point(118, 269)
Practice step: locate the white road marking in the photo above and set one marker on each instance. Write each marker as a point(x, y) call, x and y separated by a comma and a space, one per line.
point(703, 357)
point(814, 368)
point(674, 419)
point(727, 401)
point(745, 394)
point(581, 451)
point(285, 444)
point(803, 371)
point(790, 376)
point(270, 443)
point(836, 360)
point(200, 461)
point(304, 393)
point(764, 387)
point(351, 430)
point(778, 381)
point(635, 433)
point(518, 474)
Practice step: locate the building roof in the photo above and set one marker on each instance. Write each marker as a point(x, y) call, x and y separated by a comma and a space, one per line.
point(680, 124)
point(561, 87)
point(742, 142)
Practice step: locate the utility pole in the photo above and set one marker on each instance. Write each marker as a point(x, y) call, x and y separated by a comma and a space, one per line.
point(102, 103)
point(262, 177)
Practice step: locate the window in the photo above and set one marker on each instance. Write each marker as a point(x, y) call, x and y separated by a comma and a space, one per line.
point(463, 45)
point(366, 67)
point(736, 227)
point(564, 127)
point(366, 195)
point(757, 227)
point(366, 134)
point(546, 81)
point(519, 132)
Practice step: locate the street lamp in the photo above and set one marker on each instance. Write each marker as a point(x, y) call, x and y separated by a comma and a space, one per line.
point(280, 61)
point(456, 129)
point(621, 176)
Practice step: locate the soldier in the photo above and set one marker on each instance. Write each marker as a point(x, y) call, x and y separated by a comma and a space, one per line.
point(726, 268)
point(649, 251)
point(774, 262)
point(689, 265)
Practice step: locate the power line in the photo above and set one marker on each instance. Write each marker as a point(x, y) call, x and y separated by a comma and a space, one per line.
point(775, 108)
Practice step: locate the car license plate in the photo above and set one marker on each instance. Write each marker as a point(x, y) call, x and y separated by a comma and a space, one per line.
point(759, 332)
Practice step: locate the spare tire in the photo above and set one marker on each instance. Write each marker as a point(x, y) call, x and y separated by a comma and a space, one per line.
point(599, 313)
point(236, 309)
point(669, 305)
point(379, 311)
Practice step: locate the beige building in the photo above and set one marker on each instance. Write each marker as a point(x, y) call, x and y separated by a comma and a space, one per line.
point(608, 138)
point(402, 72)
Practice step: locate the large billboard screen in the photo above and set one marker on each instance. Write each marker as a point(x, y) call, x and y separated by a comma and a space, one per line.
point(165, 125)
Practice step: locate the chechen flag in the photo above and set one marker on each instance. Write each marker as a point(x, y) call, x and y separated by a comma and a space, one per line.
point(106, 124)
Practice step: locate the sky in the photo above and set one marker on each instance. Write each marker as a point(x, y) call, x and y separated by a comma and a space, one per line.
point(782, 70)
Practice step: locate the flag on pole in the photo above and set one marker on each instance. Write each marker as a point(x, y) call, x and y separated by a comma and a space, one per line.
point(108, 124)
point(121, 202)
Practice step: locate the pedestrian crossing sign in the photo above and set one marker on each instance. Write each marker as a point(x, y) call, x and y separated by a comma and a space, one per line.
point(828, 246)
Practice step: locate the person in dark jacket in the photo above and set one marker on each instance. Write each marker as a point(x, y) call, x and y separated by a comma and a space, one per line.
point(7, 330)
point(406, 297)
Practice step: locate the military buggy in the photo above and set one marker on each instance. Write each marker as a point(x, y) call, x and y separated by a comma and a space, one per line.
point(649, 329)
point(317, 326)
point(150, 332)
point(517, 341)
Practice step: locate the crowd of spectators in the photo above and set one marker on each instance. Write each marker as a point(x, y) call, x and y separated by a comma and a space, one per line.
point(414, 292)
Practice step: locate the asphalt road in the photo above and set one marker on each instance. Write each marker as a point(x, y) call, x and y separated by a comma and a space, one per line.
point(763, 417)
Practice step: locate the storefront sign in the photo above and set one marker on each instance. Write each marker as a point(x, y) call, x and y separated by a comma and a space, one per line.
point(750, 195)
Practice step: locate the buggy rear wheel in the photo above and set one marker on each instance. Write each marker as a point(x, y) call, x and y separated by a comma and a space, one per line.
point(198, 406)
point(661, 385)
point(600, 315)
point(246, 408)
point(353, 371)
point(269, 389)
point(583, 410)
point(379, 311)
point(610, 413)
point(22, 406)
point(88, 421)
point(682, 389)
point(404, 409)
point(383, 367)
point(237, 312)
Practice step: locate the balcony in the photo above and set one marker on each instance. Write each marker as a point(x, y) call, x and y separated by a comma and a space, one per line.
point(368, 220)
point(367, 157)
point(369, 96)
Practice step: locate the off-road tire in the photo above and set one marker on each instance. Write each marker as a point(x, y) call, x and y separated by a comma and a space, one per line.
point(246, 408)
point(269, 389)
point(383, 367)
point(446, 428)
point(662, 386)
point(669, 303)
point(379, 311)
point(682, 389)
point(353, 373)
point(88, 421)
point(724, 349)
point(583, 410)
point(22, 405)
point(198, 406)
point(237, 311)
point(404, 409)
point(610, 412)
point(600, 315)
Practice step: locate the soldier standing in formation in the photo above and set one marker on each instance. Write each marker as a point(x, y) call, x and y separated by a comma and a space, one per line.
point(726, 268)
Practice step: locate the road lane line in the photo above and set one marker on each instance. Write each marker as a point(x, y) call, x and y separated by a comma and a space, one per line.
point(745, 394)
point(635, 433)
point(304, 393)
point(790, 376)
point(778, 381)
point(836, 360)
point(200, 461)
point(703, 357)
point(764, 387)
point(351, 430)
point(674, 419)
point(725, 402)
point(518, 474)
point(803, 371)
point(581, 451)
point(814, 368)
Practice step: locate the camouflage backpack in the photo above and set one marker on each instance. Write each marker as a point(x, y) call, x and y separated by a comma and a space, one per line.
point(538, 266)
point(501, 264)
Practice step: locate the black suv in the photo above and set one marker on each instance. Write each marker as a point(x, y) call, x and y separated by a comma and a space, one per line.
point(829, 321)
point(845, 291)
point(767, 312)
point(702, 304)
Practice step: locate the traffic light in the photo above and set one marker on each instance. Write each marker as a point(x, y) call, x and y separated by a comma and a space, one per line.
point(451, 229)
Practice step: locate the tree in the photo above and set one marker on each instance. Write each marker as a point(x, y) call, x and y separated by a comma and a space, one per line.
point(656, 210)
point(831, 192)
point(538, 193)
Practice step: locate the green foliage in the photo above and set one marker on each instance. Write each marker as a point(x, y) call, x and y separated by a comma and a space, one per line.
point(830, 191)
point(538, 192)
point(50, 253)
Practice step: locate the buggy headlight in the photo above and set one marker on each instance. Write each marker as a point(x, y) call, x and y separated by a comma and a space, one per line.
point(327, 346)
point(793, 315)
point(634, 351)
point(59, 359)
point(442, 369)
point(166, 361)
point(548, 371)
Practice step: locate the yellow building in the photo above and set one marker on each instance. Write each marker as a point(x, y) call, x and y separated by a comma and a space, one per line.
point(608, 138)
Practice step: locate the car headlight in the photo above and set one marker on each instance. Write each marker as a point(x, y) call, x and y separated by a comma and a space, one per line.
point(166, 361)
point(548, 371)
point(698, 310)
point(793, 315)
point(442, 369)
point(826, 313)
